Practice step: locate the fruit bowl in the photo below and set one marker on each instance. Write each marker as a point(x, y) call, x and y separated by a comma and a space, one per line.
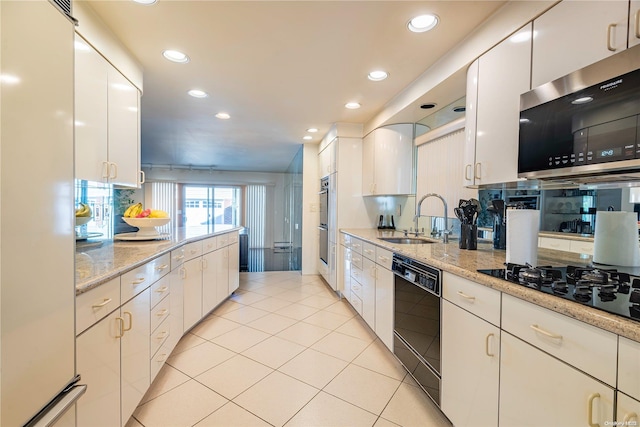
point(147, 226)
point(82, 220)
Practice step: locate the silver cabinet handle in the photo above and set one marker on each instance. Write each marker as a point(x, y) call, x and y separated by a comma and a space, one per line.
point(486, 345)
point(162, 267)
point(637, 29)
point(162, 358)
point(161, 335)
point(610, 29)
point(629, 417)
point(142, 177)
point(179, 257)
point(383, 258)
point(138, 281)
point(545, 333)
point(162, 312)
point(465, 296)
point(467, 170)
point(162, 290)
point(183, 273)
point(102, 304)
point(62, 405)
point(113, 167)
point(105, 170)
point(368, 251)
point(478, 171)
point(593, 397)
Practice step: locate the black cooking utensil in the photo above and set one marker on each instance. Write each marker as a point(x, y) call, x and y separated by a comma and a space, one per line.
point(459, 214)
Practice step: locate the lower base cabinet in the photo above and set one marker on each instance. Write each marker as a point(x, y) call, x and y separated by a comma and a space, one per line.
point(628, 410)
point(539, 390)
point(98, 359)
point(470, 368)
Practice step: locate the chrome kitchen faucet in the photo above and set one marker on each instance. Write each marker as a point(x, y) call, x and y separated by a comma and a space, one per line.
point(446, 231)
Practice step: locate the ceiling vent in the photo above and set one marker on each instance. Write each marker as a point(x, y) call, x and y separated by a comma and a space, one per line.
point(65, 7)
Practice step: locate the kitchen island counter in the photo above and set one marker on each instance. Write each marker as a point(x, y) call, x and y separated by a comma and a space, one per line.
point(466, 263)
point(108, 259)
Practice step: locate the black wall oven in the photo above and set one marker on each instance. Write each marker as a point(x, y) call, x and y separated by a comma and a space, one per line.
point(417, 322)
point(323, 227)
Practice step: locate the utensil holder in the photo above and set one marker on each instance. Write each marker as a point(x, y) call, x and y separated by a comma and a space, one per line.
point(468, 237)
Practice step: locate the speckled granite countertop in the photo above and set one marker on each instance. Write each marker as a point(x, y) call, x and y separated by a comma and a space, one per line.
point(465, 263)
point(566, 236)
point(99, 263)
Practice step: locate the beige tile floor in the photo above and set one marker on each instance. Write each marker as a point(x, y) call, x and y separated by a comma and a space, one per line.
point(284, 350)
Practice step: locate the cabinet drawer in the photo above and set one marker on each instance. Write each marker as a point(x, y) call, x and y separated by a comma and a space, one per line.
point(582, 247)
point(480, 300)
point(356, 288)
point(177, 258)
point(629, 367)
point(210, 244)
point(356, 245)
point(557, 244)
point(158, 359)
point(160, 335)
point(96, 304)
point(356, 273)
point(192, 250)
point(356, 261)
point(233, 237)
point(586, 347)
point(384, 257)
point(369, 251)
point(139, 279)
point(356, 302)
point(223, 240)
point(345, 239)
point(159, 313)
point(160, 290)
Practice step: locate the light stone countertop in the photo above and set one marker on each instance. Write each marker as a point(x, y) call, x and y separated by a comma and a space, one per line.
point(98, 263)
point(465, 263)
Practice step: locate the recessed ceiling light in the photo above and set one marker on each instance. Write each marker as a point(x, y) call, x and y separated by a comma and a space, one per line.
point(378, 75)
point(175, 56)
point(352, 105)
point(428, 105)
point(196, 93)
point(312, 130)
point(145, 1)
point(307, 137)
point(459, 109)
point(422, 23)
point(223, 116)
point(583, 100)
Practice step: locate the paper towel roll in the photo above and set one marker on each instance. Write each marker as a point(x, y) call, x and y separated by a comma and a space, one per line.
point(615, 241)
point(522, 236)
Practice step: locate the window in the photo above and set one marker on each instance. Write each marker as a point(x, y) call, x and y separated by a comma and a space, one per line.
point(212, 205)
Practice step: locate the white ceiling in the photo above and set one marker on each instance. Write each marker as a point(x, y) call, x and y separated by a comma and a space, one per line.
point(277, 67)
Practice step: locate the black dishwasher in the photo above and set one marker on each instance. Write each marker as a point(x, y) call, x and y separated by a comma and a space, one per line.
point(417, 322)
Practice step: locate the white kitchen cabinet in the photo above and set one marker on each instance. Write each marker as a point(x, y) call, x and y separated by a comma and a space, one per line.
point(222, 272)
point(107, 121)
point(177, 278)
point(498, 78)
point(192, 292)
point(345, 258)
point(98, 361)
point(327, 160)
point(634, 22)
point(368, 298)
point(210, 297)
point(387, 161)
point(574, 34)
point(384, 297)
point(470, 368)
point(233, 268)
point(537, 389)
point(135, 353)
point(627, 409)
point(629, 367)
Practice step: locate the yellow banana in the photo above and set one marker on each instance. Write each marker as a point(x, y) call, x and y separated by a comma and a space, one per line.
point(133, 210)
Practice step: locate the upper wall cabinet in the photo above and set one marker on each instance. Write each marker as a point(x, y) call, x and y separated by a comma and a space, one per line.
point(494, 84)
point(107, 118)
point(387, 161)
point(574, 34)
point(634, 22)
point(327, 160)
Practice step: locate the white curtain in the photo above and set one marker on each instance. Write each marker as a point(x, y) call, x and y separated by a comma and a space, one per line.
point(163, 196)
point(256, 215)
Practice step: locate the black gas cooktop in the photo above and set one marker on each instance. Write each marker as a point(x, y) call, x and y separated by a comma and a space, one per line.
point(605, 289)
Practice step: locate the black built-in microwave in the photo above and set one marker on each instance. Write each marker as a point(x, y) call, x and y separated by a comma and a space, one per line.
point(587, 123)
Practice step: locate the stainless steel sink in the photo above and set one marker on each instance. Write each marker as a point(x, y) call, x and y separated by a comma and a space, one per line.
point(405, 240)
